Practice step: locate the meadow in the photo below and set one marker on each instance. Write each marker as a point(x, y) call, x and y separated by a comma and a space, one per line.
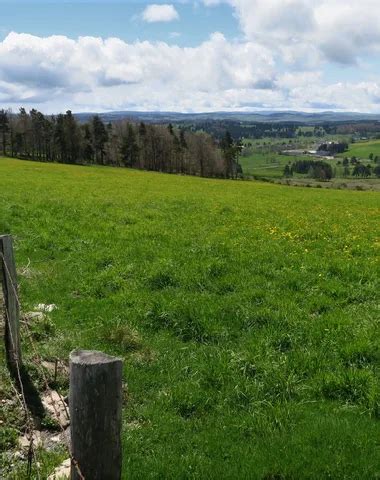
point(262, 160)
point(246, 314)
point(269, 165)
point(363, 149)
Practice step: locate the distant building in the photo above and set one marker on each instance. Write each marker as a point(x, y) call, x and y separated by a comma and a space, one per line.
point(329, 149)
point(293, 152)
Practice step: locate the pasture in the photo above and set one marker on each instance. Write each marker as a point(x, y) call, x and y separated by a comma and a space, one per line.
point(270, 165)
point(363, 149)
point(263, 160)
point(246, 315)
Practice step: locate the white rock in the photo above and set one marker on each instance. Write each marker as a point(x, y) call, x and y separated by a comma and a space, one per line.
point(61, 472)
point(34, 316)
point(42, 307)
point(56, 406)
point(19, 455)
point(24, 441)
point(56, 439)
point(51, 366)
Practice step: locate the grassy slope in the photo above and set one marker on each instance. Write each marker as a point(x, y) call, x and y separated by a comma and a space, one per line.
point(363, 149)
point(245, 312)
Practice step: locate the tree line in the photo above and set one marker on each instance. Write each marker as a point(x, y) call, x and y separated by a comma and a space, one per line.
point(315, 169)
point(244, 129)
point(61, 138)
point(324, 171)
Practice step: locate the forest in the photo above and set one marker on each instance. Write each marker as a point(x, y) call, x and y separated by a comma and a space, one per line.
point(257, 130)
point(62, 139)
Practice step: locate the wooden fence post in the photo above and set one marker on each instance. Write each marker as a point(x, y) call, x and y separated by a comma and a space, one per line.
point(11, 302)
point(95, 403)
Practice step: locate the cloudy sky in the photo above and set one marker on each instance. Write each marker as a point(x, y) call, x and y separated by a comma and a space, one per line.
point(203, 55)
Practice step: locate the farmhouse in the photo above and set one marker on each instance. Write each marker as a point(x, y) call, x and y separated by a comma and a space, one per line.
point(329, 149)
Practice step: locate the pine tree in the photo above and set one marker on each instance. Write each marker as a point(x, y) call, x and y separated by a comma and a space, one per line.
point(182, 138)
point(72, 137)
point(4, 130)
point(287, 171)
point(88, 150)
point(129, 148)
point(100, 138)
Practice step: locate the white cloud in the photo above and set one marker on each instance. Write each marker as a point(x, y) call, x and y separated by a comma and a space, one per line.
point(293, 54)
point(337, 30)
point(160, 13)
point(56, 66)
point(56, 73)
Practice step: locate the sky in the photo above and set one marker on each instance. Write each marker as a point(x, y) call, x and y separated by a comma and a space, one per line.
point(190, 55)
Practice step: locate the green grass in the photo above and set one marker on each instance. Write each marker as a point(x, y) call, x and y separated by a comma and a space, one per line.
point(263, 161)
point(269, 165)
point(246, 314)
point(363, 149)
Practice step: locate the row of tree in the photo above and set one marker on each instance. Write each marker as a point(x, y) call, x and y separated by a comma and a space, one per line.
point(365, 171)
point(354, 160)
point(315, 169)
point(63, 139)
point(244, 129)
point(324, 171)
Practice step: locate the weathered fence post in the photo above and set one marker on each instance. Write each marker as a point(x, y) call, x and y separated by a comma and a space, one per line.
point(12, 310)
point(95, 403)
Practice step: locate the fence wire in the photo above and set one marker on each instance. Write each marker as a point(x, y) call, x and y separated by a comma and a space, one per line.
point(38, 363)
point(29, 424)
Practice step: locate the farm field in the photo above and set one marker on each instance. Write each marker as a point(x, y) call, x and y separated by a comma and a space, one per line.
point(269, 165)
point(261, 162)
point(363, 149)
point(246, 314)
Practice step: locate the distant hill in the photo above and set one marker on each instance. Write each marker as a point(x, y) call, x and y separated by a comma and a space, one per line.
point(269, 116)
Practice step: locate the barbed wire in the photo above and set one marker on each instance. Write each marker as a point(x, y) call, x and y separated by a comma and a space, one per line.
point(29, 422)
point(39, 364)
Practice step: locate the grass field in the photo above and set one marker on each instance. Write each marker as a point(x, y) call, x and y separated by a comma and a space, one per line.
point(363, 149)
point(269, 165)
point(246, 313)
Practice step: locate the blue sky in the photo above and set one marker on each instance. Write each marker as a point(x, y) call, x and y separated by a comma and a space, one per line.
point(190, 55)
point(120, 19)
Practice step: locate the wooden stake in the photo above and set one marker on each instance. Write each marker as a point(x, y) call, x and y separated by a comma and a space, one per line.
point(95, 403)
point(11, 302)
